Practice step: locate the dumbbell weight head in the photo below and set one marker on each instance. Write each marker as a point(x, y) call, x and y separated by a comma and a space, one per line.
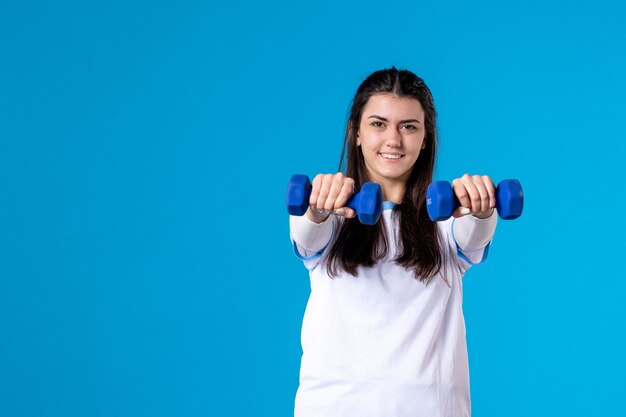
point(298, 194)
point(440, 200)
point(509, 199)
point(368, 203)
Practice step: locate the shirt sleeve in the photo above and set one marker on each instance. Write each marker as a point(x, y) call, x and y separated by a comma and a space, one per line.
point(472, 237)
point(310, 239)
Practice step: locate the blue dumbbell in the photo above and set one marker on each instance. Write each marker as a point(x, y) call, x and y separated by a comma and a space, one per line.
point(368, 203)
point(441, 200)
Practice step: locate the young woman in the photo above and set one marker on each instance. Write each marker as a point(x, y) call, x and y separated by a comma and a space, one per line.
point(383, 333)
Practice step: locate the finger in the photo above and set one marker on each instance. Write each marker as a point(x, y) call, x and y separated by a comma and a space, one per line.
point(483, 193)
point(327, 181)
point(333, 193)
point(472, 191)
point(491, 189)
point(460, 190)
point(315, 189)
point(347, 190)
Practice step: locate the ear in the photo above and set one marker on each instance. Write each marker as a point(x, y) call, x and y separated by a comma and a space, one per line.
point(358, 139)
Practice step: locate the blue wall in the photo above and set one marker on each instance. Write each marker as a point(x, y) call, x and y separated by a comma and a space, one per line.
point(145, 264)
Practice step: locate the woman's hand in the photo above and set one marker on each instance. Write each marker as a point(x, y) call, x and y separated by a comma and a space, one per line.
point(329, 194)
point(475, 193)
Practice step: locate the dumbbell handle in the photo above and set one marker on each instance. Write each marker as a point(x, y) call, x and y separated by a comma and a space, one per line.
point(351, 203)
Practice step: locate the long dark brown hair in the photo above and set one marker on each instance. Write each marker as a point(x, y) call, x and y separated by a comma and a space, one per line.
point(362, 245)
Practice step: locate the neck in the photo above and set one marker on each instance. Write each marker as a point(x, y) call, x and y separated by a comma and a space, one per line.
point(392, 190)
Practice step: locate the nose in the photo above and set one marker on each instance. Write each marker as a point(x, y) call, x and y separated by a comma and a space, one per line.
point(394, 139)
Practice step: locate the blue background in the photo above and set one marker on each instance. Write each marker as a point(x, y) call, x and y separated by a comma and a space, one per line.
point(145, 147)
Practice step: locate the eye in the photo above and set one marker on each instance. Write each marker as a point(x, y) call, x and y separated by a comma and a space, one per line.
point(410, 127)
point(377, 124)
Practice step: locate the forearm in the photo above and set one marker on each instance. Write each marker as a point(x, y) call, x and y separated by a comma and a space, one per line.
point(472, 233)
point(309, 234)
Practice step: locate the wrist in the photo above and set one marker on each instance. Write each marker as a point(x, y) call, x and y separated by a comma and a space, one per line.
point(316, 217)
point(485, 216)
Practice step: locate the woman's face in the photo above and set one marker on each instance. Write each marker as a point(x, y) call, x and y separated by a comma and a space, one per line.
point(391, 136)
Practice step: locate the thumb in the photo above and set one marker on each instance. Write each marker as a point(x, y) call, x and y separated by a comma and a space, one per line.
point(346, 212)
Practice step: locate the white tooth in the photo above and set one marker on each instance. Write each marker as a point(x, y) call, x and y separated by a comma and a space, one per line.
point(389, 156)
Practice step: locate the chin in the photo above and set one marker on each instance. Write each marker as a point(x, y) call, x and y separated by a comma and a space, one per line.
point(395, 175)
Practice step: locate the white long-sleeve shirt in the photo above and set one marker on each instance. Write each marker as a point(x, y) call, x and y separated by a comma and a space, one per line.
point(384, 343)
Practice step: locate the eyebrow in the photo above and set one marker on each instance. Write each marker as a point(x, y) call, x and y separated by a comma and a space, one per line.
point(401, 121)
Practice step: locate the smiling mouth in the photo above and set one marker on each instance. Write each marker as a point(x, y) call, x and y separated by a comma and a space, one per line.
point(390, 156)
